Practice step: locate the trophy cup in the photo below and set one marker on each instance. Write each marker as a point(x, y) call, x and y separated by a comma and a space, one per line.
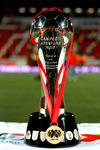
point(52, 35)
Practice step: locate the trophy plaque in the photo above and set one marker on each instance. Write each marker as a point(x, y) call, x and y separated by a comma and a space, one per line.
point(52, 35)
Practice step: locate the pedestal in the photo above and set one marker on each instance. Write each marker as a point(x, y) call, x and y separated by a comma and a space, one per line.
point(38, 124)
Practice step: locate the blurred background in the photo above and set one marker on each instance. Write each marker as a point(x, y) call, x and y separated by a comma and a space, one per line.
point(20, 85)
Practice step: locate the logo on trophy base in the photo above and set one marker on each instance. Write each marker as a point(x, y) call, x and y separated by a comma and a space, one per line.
point(54, 134)
point(52, 36)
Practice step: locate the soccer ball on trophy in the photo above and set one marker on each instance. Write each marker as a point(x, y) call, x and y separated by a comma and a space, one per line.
point(52, 35)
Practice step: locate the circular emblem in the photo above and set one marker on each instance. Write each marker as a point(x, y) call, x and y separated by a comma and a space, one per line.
point(54, 134)
point(69, 135)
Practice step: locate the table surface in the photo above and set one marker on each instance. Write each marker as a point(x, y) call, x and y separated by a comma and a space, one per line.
point(12, 137)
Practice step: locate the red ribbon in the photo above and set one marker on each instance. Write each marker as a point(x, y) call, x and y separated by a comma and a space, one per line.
point(57, 104)
point(53, 112)
point(47, 96)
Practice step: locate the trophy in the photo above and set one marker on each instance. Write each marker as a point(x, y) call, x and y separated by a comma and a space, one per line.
point(52, 35)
